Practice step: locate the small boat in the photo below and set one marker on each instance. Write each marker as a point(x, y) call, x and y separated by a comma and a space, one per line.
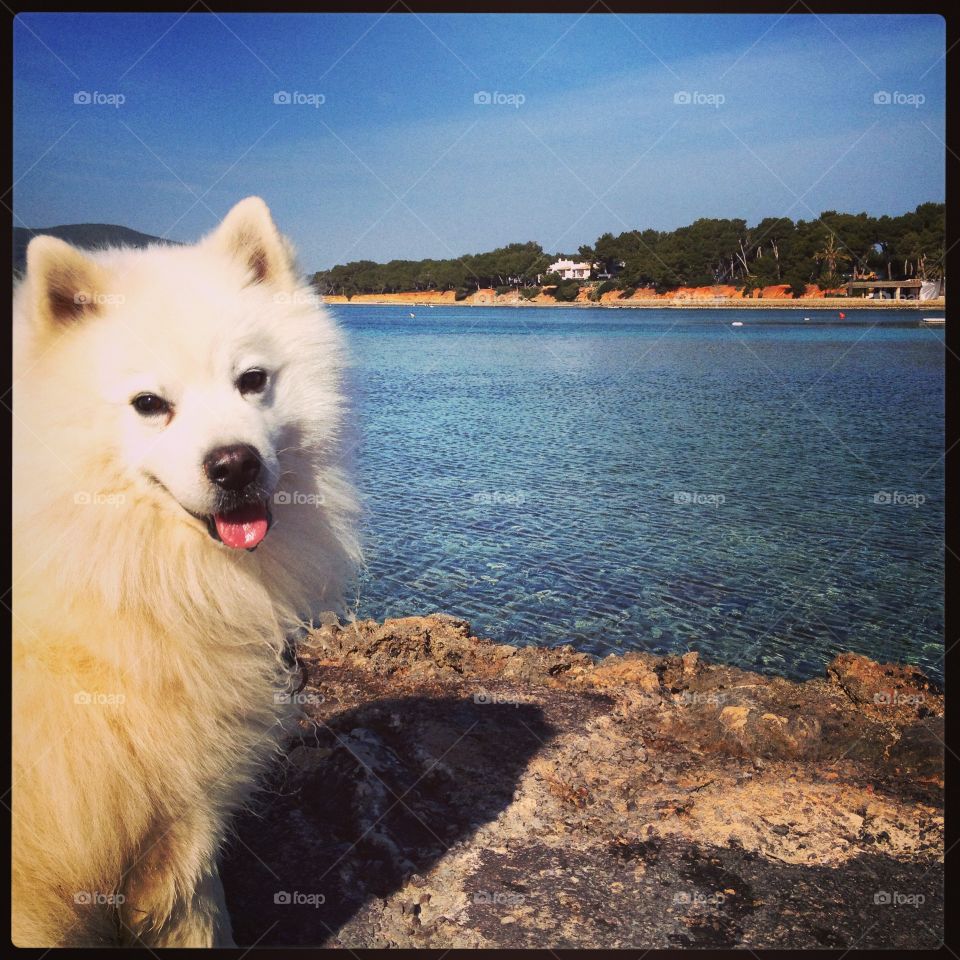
point(412, 314)
point(933, 321)
point(737, 323)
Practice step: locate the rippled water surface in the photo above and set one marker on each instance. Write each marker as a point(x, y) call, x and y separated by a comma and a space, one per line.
point(657, 480)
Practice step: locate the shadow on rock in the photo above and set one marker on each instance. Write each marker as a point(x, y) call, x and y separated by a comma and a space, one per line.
point(666, 893)
point(373, 796)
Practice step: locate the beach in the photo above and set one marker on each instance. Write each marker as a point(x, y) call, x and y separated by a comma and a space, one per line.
point(490, 298)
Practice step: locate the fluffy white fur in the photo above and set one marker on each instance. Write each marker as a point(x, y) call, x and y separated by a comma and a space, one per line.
point(148, 671)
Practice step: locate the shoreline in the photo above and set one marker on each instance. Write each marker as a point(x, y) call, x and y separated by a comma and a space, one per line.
point(552, 798)
point(833, 303)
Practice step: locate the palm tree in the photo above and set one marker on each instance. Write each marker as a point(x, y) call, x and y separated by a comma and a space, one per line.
point(932, 265)
point(832, 255)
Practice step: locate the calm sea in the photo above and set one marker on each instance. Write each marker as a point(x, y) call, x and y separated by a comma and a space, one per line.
point(769, 494)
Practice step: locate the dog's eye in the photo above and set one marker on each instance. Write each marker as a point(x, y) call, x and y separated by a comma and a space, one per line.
point(252, 381)
point(150, 405)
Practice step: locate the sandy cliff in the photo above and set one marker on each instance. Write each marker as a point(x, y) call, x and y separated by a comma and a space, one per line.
point(705, 297)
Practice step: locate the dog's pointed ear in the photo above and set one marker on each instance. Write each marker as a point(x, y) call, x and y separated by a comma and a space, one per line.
point(249, 234)
point(67, 286)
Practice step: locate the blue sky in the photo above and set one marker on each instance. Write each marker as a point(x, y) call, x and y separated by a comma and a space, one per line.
point(588, 130)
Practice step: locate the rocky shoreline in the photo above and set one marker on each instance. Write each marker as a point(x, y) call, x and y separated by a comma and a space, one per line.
point(446, 791)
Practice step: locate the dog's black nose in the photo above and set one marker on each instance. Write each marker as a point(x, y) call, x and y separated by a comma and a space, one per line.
point(233, 467)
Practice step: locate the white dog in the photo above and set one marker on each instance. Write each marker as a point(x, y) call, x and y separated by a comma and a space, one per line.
point(180, 507)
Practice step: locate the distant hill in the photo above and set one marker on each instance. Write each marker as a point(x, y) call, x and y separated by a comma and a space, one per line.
point(87, 235)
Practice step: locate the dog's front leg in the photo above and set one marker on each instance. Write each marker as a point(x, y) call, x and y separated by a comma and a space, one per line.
point(173, 896)
point(203, 921)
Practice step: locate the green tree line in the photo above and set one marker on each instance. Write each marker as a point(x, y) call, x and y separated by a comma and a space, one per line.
point(826, 251)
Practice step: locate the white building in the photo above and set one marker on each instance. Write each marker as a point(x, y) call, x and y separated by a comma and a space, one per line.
point(571, 270)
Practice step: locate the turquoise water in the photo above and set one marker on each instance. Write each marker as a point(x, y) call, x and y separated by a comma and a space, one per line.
point(657, 480)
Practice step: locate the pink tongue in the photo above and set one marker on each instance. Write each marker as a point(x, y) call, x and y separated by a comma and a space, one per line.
point(243, 528)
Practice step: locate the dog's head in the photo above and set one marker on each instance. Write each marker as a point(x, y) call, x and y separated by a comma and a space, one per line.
point(198, 369)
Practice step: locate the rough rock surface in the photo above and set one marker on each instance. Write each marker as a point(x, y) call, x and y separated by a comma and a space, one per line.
point(446, 791)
